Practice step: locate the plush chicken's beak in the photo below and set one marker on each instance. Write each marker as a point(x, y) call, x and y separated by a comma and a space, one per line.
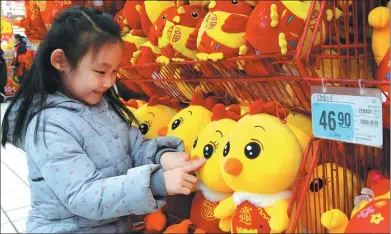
point(163, 131)
point(233, 167)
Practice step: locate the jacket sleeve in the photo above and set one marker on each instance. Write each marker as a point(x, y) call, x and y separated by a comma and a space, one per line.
point(149, 151)
point(77, 182)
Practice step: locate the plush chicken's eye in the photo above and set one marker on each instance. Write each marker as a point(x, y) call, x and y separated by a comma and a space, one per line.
point(144, 128)
point(208, 151)
point(252, 150)
point(316, 185)
point(164, 17)
point(194, 14)
point(235, 2)
point(176, 124)
point(227, 148)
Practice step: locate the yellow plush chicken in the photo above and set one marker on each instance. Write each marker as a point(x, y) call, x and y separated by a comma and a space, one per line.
point(188, 122)
point(326, 180)
point(259, 170)
point(156, 114)
point(301, 126)
point(175, 40)
point(212, 189)
point(222, 31)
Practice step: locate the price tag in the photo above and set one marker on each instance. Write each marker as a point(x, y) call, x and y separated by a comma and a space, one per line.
point(346, 115)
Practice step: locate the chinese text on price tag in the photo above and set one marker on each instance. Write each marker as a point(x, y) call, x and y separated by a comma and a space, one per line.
point(346, 115)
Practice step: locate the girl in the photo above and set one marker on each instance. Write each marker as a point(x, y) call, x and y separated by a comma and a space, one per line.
point(88, 169)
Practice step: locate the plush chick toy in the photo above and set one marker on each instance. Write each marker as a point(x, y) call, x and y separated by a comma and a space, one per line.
point(156, 114)
point(223, 29)
point(212, 189)
point(188, 122)
point(186, 125)
point(259, 171)
point(175, 42)
point(327, 179)
point(132, 42)
point(301, 126)
point(370, 215)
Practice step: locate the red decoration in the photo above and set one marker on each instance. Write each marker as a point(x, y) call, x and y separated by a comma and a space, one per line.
point(249, 217)
point(199, 100)
point(220, 112)
point(166, 101)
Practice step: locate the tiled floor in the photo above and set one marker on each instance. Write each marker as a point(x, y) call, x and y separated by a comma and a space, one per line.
point(15, 192)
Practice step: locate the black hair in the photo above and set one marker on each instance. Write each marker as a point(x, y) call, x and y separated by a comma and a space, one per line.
point(76, 31)
point(19, 37)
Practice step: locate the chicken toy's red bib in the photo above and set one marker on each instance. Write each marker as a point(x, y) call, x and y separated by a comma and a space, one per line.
point(202, 214)
point(373, 218)
point(248, 217)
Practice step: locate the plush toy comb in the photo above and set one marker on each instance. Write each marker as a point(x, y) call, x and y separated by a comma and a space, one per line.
point(199, 100)
point(165, 101)
point(219, 112)
point(131, 103)
point(272, 108)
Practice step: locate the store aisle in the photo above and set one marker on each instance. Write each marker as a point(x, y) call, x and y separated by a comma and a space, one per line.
point(15, 191)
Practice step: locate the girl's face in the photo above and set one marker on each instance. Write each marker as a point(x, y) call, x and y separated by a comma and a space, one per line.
point(93, 75)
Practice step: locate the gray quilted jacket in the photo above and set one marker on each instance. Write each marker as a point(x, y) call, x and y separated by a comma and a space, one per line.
point(91, 171)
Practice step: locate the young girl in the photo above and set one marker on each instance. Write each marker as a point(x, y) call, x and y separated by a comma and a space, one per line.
point(88, 169)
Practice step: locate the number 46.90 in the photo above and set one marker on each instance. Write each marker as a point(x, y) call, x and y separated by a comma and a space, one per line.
point(328, 119)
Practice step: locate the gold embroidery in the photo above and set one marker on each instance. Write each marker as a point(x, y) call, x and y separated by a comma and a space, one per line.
point(40, 4)
point(380, 204)
point(245, 230)
point(207, 210)
point(245, 215)
point(264, 214)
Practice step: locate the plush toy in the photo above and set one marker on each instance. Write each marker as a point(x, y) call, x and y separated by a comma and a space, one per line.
point(131, 12)
point(150, 11)
point(188, 122)
point(276, 26)
point(259, 171)
point(327, 179)
point(212, 189)
point(175, 42)
point(27, 59)
point(148, 53)
point(119, 17)
point(186, 125)
point(331, 68)
point(156, 114)
point(223, 29)
point(379, 19)
point(370, 215)
point(202, 3)
point(132, 42)
point(301, 126)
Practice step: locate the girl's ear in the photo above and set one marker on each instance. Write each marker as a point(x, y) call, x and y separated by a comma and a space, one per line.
point(58, 60)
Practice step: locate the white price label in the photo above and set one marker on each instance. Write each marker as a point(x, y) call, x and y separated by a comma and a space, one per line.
point(345, 115)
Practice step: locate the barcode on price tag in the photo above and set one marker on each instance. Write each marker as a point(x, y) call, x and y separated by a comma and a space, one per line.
point(344, 114)
point(368, 122)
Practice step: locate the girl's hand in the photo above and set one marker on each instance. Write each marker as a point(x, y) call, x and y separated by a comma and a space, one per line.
point(172, 160)
point(179, 181)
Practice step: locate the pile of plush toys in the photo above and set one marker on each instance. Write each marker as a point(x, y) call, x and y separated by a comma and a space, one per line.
point(253, 154)
point(172, 31)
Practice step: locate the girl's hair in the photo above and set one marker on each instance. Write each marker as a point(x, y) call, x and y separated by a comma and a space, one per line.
point(76, 31)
